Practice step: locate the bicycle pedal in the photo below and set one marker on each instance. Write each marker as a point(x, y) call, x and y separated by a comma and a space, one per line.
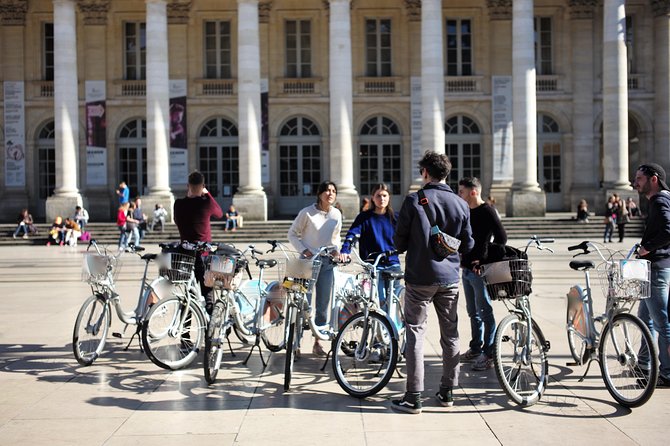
point(547, 346)
point(117, 335)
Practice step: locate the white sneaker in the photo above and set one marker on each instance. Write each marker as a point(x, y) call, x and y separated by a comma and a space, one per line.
point(482, 363)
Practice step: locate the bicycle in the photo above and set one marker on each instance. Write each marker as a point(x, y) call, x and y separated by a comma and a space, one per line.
point(365, 350)
point(94, 319)
point(253, 314)
point(520, 358)
point(174, 329)
point(623, 343)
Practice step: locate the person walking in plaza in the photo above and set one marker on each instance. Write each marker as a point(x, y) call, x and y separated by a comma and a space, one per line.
point(123, 192)
point(610, 219)
point(376, 228)
point(650, 181)
point(141, 217)
point(431, 279)
point(486, 226)
point(318, 225)
point(132, 228)
point(621, 216)
point(193, 214)
point(121, 217)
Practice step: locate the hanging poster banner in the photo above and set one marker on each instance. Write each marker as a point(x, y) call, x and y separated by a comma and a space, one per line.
point(416, 129)
point(178, 134)
point(502, 128)
point(15, 137)
point(96, 133)
point(265, 133)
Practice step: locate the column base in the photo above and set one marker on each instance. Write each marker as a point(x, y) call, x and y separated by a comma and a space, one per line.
point(499, 192)
point(522, 203)
point(350, 203)
point(62, 206)
point(251, 206)
point(149, 203)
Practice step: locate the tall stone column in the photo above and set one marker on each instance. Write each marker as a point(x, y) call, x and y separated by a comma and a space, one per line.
point(341, 106)
point(615, 98)
point(661, 10)
point(250, 198)
point(526, 198)
point(584, 159)
point(432, 76)
point(66, 110)
point(158, 106)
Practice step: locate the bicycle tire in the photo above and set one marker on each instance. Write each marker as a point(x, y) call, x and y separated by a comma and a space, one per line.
point(362, 372)
point(402, 332)
point(94, 309)
point(214, 342)
point(524, 382)
point(165, 347)
point(576, 344)
point(273, 332)
point(625, 380)
point(291, 345)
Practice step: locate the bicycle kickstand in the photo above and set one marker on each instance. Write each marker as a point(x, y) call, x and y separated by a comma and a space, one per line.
point(139, 339)
point(588, 366)
point(260, 352)
point(325, 363)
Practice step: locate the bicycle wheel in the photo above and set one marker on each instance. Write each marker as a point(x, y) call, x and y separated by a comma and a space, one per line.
point(90, 330)
point(623, 341)
point(365, 354)
point(522, 372)
point(273, 325)
point(214, 342)
point(292, 344)
point(168, 342)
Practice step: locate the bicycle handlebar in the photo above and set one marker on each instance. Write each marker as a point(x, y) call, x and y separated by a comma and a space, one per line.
point(537, 241)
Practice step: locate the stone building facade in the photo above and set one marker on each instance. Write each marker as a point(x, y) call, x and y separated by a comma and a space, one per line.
point(547, 101)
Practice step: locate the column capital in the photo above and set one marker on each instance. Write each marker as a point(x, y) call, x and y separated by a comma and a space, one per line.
point(178, 10)
point(500, 9)
point(326, 3)
point(264, 8)
point(94, 11)
point(413, 8)
point(582, 9)
point(13, 12)
point(660, 7)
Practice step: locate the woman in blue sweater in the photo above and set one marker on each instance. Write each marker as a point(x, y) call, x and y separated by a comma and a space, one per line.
point(376, 228)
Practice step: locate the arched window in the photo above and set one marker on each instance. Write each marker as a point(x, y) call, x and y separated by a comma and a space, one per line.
point(219, 158)
point(299, 163)
point(46, 161)
point(380, 155)
point(549, 160)
point(464, 149)
point(132, 146)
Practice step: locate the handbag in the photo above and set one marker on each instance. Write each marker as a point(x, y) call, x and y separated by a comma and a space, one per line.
point(442, 244)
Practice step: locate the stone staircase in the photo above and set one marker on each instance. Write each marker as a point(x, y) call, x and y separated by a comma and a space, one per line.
point(556, 225)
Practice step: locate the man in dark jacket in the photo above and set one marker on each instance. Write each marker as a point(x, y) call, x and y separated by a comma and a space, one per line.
point(431, 279)
point(655, 247)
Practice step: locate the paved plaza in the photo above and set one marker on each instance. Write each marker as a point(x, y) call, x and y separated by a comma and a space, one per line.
point(122, 399)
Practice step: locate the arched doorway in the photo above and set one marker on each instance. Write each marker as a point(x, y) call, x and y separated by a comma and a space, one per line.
point(46, 166)
point(464, 149)
point(132, 146)
point(219, 159)
point(380, 157)
point(299, 164)
point(549, 161)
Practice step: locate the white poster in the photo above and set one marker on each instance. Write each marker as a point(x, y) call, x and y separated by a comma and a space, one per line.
point(178, 133)
point(15, 137)
point(265, 133)
point(415, 110)
point(502, 128)
point(96, 133)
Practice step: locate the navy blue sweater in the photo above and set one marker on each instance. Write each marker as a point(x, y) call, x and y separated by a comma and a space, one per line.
point(376, 233)
point(656, 237)
point(452, 215)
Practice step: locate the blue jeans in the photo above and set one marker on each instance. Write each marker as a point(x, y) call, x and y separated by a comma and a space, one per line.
point(231, 223)
point(480, 311)
point(324, 291)
point(21, 226)
point(123, 237)
point(609, 229)
point(654, 312)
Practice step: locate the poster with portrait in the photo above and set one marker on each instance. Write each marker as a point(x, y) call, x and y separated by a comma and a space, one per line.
point(178, 134)
point(96, 133)
point(15, 137)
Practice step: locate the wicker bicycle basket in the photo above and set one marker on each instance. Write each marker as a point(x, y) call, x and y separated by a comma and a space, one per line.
point(508, 279)
point(176, 266)
point(96, 266)
point(626, 279)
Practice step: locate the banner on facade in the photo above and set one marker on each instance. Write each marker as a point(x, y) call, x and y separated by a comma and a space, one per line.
point(96, 133)
point(415, 111)
point(178, 134)
point(15, 136)
point(265, 133)
point(502, 128)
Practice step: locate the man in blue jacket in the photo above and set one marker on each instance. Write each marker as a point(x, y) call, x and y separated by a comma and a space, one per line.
point(431, 279)
point(655, 247)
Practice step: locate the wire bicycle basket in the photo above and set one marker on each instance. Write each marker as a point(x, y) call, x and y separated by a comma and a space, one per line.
point(96, 267)
point(626, 279)
point(176, 266)
point(508, 279)
point(224, 271)
point(302, 273)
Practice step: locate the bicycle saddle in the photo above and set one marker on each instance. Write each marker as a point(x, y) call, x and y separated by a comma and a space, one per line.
point(149, 256)
point(582, 265)
point(393, 274)
point(266, 263)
